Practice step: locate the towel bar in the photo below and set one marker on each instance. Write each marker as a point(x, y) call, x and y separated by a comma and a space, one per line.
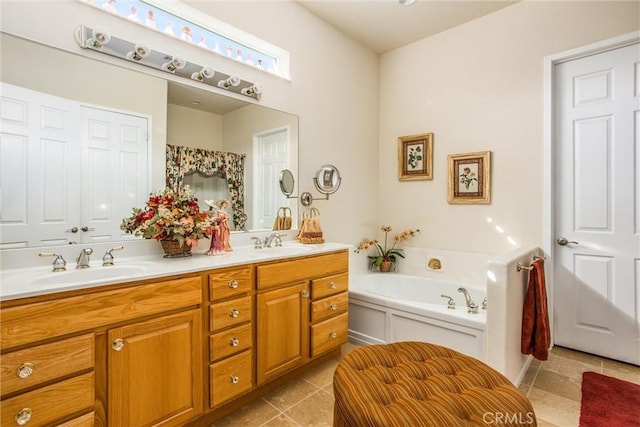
point(521, 267)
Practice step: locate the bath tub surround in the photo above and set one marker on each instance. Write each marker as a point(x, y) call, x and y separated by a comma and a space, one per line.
point(399, 307)
point(409, 305)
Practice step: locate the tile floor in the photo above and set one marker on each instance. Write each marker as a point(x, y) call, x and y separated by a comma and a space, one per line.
point(552, 386)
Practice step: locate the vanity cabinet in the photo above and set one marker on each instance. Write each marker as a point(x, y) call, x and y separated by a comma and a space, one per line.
point(283, 323)
point(329, 321)
point(301, 311)
point(155, 371)
point(175, 351)
point(67, 358)
point(230, 338)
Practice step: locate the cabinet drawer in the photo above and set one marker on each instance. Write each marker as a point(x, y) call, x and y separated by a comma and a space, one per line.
point(329, 306)
point(228, 342)
point(32, 322)
point(228, 283)
point(82, 421)
point(35, 365)
point(328, 334)
point(330, 285)
point(48, 404)
point(302, 269)
point(230, 378)
point(229, 313)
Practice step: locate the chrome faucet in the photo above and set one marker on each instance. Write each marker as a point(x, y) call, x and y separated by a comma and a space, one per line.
point(472, 307)
point(271, 237)
point(83, 258)
point(59, 264)
point(107, 259)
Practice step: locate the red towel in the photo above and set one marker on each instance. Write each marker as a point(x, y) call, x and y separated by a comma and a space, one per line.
point(536, 337)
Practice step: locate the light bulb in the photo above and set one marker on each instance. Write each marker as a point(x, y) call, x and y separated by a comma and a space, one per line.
point(176, 63)
point(205, 73)
point(140, 51)
point(251, 90)
point(231, 81)
point(99, 38)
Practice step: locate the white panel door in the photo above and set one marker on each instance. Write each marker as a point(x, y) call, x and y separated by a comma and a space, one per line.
point(39, 180)
point(114, 171)
point(272, 156)
point(597, 211)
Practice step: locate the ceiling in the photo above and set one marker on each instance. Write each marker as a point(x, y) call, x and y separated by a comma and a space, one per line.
point(384, 25)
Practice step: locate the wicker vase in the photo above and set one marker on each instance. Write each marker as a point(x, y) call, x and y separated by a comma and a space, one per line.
point(385, 267)
point(172, 249)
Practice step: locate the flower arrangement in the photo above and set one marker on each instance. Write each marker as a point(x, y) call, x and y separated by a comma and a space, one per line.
point(170, 215)
point(386, 253)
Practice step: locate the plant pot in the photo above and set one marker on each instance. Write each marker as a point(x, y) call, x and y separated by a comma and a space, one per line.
point(172, 249)
point(386, 266)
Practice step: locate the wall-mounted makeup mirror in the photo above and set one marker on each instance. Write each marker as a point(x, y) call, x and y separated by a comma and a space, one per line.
point(327, 181)
point(287, 182)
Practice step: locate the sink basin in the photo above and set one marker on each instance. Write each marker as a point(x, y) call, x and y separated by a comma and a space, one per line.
point(287, 250)
point(89, 275)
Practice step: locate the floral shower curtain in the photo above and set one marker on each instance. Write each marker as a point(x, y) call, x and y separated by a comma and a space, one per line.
point(183, 160)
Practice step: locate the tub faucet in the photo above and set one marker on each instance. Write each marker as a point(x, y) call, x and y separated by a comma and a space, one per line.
point(83, 258)
point(472, 307)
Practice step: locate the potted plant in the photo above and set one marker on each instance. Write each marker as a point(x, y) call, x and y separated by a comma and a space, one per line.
point(386, 257)
point(174, 218)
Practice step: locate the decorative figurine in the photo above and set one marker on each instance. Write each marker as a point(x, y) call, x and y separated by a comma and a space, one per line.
point(220, 231)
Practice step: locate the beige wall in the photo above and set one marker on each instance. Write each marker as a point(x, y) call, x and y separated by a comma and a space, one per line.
point(334, 87)
point(480, 87)
point(193, 128)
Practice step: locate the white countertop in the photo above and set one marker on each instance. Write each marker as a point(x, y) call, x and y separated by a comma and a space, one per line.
point(27, 281)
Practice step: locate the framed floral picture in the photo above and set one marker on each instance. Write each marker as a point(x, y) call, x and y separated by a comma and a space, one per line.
point(415, 157)
point(470, 177)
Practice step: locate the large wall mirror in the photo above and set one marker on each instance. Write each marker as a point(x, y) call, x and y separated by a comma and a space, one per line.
point(179, 113)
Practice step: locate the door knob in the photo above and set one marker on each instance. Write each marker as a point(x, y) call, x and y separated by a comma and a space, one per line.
point(85, 229)
point(72, 230)
point(562, 241)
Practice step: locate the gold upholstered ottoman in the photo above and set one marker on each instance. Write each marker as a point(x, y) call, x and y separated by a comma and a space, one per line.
point(411, 384)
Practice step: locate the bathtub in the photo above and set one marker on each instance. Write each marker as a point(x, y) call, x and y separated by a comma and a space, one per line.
point(394, 307)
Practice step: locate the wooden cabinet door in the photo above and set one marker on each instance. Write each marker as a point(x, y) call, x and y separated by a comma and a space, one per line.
point(155, 371)
point(282, 330)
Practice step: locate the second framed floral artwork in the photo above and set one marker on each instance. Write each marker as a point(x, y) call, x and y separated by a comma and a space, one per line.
point(470, 177)
point(415, 157)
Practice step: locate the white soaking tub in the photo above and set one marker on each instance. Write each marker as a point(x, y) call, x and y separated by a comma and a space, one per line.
point(390, 307)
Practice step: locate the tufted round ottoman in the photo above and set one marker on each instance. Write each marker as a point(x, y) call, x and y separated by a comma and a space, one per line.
point(411, 384)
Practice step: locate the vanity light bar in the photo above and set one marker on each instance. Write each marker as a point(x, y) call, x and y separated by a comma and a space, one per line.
point(142, 54)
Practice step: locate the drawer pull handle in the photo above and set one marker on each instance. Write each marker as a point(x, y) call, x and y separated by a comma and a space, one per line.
point(333, 285)
point(23, 416)
point(233, 284)
point(304, 294)
point(234, 313)
point(333, 307)
point(25, 370)
point(234, 342)
point(117, 344)
point(234, 379)
point(333, 335)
